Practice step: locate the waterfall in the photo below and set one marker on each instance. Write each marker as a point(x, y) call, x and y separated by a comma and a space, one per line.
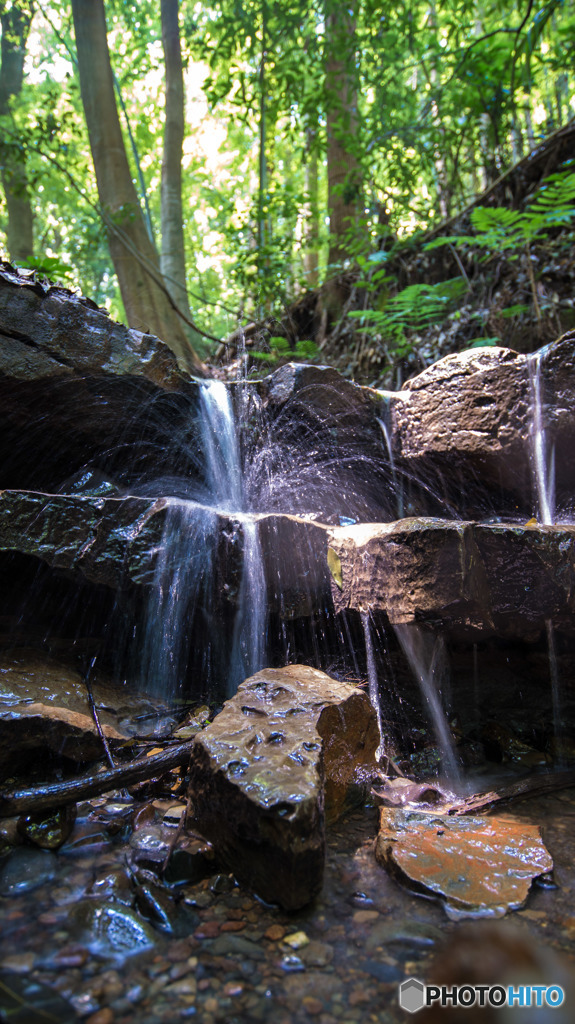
point(555, 687)
point(372, 679)
point(185, 579)
point(397, 484)
point(224, 476)
point(543, 461)
point(424, 659)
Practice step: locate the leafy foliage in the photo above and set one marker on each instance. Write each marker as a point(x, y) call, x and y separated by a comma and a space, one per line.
point(411, 309)
point(498, 228)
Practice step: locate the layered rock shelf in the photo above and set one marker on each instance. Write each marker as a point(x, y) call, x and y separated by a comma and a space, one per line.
point(474, 580)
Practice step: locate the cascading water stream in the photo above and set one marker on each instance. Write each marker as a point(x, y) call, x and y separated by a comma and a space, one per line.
point(397, 484)
point(184, 576)
point(425, 665)
point(372, 679)
point(543, 460)
point(554, 676)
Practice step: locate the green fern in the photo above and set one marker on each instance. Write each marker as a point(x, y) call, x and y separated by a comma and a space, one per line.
point(413, 308)
point(497, 228)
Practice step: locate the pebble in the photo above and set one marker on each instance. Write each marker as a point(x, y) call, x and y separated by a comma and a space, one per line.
point(183, 987)
point(232, 926)
point(207, 930)
point(20, 963)
point(297, 940)
point(312, 1006)
point(26, 869)
point(275, 932)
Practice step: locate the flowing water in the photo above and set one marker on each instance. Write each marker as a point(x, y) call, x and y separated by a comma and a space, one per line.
point(543, 457)
point(372, 679)
point(425, 656)
point(397, 483)
point(185, 579)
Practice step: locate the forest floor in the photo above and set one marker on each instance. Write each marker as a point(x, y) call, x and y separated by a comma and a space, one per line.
point(451, 298)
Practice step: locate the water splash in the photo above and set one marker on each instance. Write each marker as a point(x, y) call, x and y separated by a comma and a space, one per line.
point(425, 655)
point(181, 585)
point(185, 581)
point(250, 628)
point(219, 434)
point(397, 483)
point(372, 679)
point(543, 459)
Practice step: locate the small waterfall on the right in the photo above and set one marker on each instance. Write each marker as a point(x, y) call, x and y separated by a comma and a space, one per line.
point(543, 463)
point(542, 457)
point(372, 679)
point(424, 654)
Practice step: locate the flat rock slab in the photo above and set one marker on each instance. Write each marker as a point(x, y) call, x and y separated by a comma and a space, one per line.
point(29, 676)
point(50, 332)
point(115, 541)
point(479, 867)
point(474, 579)
point(290, 748)
point(26, 729)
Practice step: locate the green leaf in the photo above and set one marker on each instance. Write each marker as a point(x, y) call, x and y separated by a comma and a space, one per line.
point(334, 566)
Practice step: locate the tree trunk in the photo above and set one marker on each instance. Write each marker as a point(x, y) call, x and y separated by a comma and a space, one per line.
point(343, 171)
point(311, 256)
point(173, 258)
point(148, 306)
point(20, 230)
point(344, 178)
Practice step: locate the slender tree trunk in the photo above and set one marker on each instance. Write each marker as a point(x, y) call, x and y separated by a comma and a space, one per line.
point(173, 258)
point(148, 307)
point(344, 178)
point(20, 229)
point(311, 257)
point(343, 171)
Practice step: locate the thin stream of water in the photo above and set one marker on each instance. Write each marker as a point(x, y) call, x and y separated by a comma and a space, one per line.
point(372, 679)
point(543, 460)
point(424, 660)
point(554, 676)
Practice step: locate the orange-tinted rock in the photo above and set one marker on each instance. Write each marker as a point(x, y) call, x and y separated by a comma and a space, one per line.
point(479, 867)
point(292, 747)
point(27, 728)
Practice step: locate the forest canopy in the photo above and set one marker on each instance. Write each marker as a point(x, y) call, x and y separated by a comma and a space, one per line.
point(193, 167)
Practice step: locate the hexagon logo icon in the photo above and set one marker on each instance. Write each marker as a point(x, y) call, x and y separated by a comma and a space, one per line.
point(412, 995)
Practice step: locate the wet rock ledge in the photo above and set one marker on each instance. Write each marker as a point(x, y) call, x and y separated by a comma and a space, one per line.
point(473, 579)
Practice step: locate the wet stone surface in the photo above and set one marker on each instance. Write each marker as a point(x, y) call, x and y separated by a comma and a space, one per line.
point(87, 933)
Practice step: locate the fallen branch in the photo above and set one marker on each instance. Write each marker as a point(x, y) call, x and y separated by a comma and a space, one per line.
point(41, 798)
point(532, 786)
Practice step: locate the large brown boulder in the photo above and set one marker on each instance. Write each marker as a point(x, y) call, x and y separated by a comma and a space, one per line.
point(290, 749)
point(474, 580)
point(462, 426)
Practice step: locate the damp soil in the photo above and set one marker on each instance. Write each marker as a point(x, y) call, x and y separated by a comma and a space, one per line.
point(232, 958)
